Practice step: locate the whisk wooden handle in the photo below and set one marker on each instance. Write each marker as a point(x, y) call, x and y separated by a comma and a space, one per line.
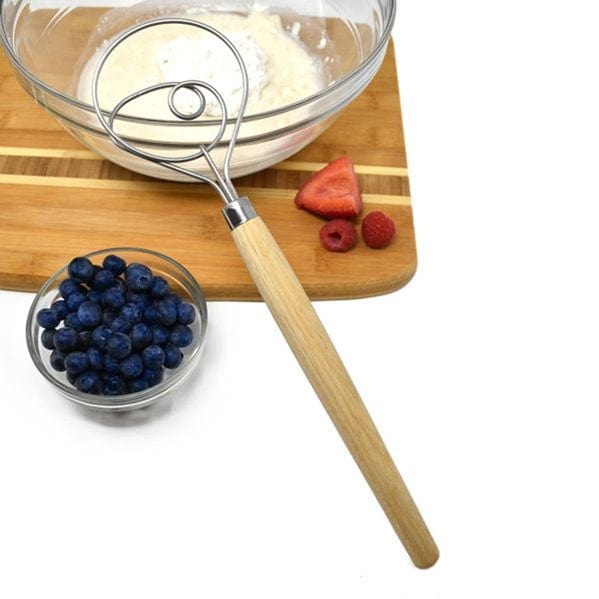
point(299, 323)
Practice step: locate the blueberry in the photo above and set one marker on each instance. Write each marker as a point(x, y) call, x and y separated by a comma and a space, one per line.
point(132, 366)
point(75, 300)
point(119, 346)
point(72, 321)
point(186, 313)
point(47, 338)
point(66, 340)
point(72, 378)
point(100, 336)
point(90, 314)
point(95, 358)
point(181, 335)
point(115, 264)
point(111, 365)
point(138, 384)
point(81, 269)
point(132, 312)
point(150, 316)
point(103, 279)
point(153, 376)
point(68, 287)
point(60, 309)
point(141, 336)
point(114, 385)
point(167, 312)
point(84, 339)
point(46, 318)
point(121, 324)
point(108, 317)
point(172, 356)
point(159, 288)
point(120, 284)
point(95, 296)
point(153, 357)
point(57, 361)
point(175, 298)
point(160, 334)
point(113, 298)
point(76, 362)
point(88, 382)
point(141, 300)
point(138, 277)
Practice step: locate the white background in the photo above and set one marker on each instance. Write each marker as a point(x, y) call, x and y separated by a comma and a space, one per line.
point(481, 374)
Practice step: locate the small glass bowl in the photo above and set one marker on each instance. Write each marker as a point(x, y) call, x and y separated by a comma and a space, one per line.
point(181, 282)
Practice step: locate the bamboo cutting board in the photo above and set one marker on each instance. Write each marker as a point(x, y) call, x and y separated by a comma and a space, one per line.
point(59, 200)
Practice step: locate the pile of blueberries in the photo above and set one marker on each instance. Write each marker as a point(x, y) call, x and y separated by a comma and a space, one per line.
point(122, 326)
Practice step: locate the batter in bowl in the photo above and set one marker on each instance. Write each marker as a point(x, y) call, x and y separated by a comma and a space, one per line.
point(280, 69)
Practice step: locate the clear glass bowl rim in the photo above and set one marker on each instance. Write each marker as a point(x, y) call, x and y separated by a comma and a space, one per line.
point(382, 42)
point(129, 400)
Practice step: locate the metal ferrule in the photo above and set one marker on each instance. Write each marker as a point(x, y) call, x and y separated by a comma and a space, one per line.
point(239, 212)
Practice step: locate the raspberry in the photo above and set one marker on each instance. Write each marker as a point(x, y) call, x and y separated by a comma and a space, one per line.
point(338, 236)
point(378, 230)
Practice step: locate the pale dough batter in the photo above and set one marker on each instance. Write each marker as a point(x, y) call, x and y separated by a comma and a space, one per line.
point(280, 69)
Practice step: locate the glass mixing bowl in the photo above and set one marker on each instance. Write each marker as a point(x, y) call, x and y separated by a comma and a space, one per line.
point(49, 42)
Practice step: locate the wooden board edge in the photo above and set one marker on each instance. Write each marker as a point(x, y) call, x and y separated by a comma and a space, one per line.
point(316, 292)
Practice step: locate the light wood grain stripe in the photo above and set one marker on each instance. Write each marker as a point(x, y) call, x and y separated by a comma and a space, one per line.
point(68, 182)
point(361, 169)
point(48, 153)
point(288, 165)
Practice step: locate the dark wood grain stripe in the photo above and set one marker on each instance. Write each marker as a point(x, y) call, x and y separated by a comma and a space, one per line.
point(287, 175)
point(153, 185)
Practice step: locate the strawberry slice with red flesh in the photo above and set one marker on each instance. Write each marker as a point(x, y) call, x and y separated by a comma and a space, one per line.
point(334, 192)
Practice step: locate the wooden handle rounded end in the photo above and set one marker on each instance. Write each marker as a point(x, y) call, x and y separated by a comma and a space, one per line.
point(427, 558)
point(321, 363)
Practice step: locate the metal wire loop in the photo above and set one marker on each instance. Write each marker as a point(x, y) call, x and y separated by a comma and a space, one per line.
point(193, 85)
point(199, 95)
point(222, 182)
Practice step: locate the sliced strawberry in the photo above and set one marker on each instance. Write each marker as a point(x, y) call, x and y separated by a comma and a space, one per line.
point(334, 192)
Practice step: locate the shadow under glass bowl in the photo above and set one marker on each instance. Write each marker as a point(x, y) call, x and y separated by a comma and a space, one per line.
point(49, 42)
point(181, 281)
